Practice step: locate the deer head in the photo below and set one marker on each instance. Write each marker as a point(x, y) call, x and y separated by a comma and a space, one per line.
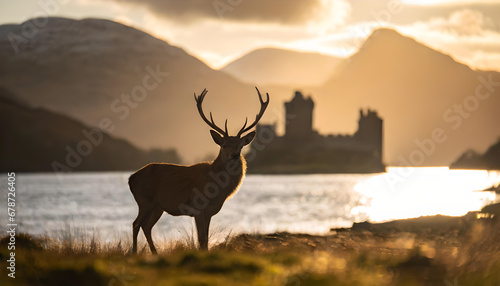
point(230, 146)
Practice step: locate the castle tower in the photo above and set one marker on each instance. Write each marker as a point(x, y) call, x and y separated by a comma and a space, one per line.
point(370, 131)
point(299, 113)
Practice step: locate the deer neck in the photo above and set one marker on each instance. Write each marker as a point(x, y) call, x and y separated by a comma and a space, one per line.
point(234, 168)
point(229, 175)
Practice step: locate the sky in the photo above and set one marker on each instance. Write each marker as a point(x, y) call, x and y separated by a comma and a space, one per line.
point(219, 31)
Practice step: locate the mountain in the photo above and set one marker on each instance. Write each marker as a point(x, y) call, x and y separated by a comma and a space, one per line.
point(270, 66)
point(37, 140)
point(489, 160)
point(419, 92)
point(95, 69)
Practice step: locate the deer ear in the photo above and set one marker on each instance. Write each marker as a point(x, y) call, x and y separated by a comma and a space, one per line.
point(216, 137)
point(249, 138)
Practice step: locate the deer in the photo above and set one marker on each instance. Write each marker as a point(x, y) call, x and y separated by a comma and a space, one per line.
point(197, 190)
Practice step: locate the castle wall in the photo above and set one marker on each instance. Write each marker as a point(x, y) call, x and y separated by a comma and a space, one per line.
point(302, 148)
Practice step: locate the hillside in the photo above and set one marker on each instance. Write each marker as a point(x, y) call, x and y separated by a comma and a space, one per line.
point(489, 160)
point(270, 66)
point(415, 89)
point(37, 140)
point(91, 69)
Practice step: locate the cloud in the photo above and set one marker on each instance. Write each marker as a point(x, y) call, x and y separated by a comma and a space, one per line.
point(342, 43)
point(486, 61)
point(290, 12)
point(467, 35)
point(468, 32)
point(464, 22)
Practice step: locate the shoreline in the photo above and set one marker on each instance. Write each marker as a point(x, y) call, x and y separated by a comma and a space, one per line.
point(419, 251)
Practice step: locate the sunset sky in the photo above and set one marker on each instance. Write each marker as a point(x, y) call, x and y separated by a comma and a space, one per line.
point(219, 31)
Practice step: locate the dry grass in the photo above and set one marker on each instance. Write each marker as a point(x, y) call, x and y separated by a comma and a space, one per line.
point(344, 258)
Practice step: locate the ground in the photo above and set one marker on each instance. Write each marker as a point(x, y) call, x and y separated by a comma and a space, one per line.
point(368, 254)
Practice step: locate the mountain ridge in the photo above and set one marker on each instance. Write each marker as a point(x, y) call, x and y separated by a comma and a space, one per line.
point(275, 66)
point(37, 140)
point(413, 87)
point(93, 68)
point(470, 159)
point(82, 67)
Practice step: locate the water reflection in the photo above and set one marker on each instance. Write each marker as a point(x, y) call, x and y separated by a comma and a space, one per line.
point(413, 192)
point(101, 202)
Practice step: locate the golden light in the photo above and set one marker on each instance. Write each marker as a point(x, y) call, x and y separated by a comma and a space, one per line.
point(412, 192)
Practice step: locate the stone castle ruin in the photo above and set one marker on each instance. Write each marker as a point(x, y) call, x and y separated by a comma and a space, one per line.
point(303, 150)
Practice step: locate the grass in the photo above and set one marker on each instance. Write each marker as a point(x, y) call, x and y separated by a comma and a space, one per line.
point(343, 258)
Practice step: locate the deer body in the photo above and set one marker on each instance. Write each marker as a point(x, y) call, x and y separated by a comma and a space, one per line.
point(153, 183)
point(199, 190)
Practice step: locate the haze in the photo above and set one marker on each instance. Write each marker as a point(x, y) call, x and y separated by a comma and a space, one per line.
point(219, 31)
point(412, 61)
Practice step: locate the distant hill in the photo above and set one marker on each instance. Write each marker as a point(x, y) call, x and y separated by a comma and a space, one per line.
point(415, 89)
point(270, 66)
point(89, 69)
point(489, 160)
point(37, 140)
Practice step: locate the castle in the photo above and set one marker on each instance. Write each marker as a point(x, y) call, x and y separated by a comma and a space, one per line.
point(303, 150)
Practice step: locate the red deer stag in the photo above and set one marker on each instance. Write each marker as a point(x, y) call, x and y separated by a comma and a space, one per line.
point(198, 190)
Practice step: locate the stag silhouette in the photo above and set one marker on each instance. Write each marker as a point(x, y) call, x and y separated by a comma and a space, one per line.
point(198, 190)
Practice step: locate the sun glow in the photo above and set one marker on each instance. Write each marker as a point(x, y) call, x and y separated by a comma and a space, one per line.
point(412, 192)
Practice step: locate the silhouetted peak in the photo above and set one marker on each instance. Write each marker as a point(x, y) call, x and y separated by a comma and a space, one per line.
point(67, 23)
point(91, 28)
point(392, 44)
point(42, 25)
point(389, 32)
point(271, 51)
point(57, 37)
point(388, 37)
point(387, 49)
point(275, 66)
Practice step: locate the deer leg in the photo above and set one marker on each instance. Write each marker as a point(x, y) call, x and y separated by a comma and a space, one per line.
point(148, 226)
point(144, 212)
point(202, 225)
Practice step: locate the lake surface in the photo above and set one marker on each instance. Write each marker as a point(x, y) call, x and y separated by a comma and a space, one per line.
point(101, 203)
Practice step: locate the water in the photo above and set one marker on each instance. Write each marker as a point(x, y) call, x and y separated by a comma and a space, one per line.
point(101, 203)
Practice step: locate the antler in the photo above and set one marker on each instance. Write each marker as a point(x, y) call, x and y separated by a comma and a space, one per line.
point(263, 106)
point(211, 123)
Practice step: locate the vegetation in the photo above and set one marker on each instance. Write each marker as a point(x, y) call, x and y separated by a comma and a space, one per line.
point(344, 258)
point(39, 140)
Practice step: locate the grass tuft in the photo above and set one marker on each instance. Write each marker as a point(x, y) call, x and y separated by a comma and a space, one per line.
point(343, 258)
